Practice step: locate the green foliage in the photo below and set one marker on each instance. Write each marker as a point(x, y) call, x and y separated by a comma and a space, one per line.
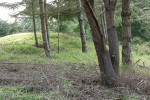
point(7, 28)
point(140, 23)
point(141, 47)
point(65, 8)
point(26, 25)
point(65, 26)
point(4, 28)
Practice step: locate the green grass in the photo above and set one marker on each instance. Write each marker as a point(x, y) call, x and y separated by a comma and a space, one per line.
point(20, 48)
point(18, 93)
point(141, 50)
point(21, 93)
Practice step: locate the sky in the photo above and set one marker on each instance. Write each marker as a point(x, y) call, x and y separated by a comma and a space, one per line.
point(5, 12)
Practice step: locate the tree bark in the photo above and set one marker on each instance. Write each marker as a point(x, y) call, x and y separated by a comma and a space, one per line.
point(46, 22)
point(43, 28)
point(112, 33)
point(126, 31)
point(104, 26)
point(81, 24)
point(34, 24)
point(108, 74)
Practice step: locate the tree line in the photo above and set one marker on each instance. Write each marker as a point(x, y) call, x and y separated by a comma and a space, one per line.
point(108, 59)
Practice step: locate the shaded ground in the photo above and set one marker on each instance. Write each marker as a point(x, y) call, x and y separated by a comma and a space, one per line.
point(73, 82)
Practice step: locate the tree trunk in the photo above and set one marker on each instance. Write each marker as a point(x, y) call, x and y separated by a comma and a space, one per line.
point(107, 71)
point(46, 22)
point(104, 26)
point(81, 24)
point(43, 28)
point(58, 26)
point(58, 29)
point(112, 33)
point(126, 31)
point(34, 25)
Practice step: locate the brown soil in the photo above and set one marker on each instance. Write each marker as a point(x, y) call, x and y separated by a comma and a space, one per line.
point(86, 84)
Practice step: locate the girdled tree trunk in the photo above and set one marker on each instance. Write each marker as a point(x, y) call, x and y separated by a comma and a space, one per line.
point(34, 25)
point(81, 24)
point(43, 28)
point(112, 33)
point(106, 68)
point(126, 31)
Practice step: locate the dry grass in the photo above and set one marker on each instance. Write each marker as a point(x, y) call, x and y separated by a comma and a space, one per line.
point(73, 82)
point(139, 83)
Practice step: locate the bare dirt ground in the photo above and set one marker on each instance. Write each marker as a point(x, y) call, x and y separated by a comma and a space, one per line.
point(85, 84)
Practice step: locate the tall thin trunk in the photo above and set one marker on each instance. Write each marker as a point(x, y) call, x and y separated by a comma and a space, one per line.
point(43, 28)
point(81, 24)
point(107, 71)
point(58, 29)
point(112, 33)
point(126, 31)
point(46, 22)
point(34, 24)
point(58, 26)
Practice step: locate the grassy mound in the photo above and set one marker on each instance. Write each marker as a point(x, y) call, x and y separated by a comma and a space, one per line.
point(20, 48)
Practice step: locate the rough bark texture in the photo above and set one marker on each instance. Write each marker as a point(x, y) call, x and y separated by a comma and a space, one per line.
point(112, 33)
point(107, 72)
point(81, 24)
point(43, 28)
point(126, 31)
point(34, 24)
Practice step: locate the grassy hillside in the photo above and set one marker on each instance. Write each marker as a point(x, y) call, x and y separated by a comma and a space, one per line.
point(20, 48)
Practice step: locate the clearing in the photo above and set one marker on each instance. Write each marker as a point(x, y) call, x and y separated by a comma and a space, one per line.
point(26, 74)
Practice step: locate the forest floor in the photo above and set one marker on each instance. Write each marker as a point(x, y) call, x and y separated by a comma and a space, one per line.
point(67, 82)
point(26, 74)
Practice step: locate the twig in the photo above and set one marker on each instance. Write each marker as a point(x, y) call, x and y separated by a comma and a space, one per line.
point(137, 61)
